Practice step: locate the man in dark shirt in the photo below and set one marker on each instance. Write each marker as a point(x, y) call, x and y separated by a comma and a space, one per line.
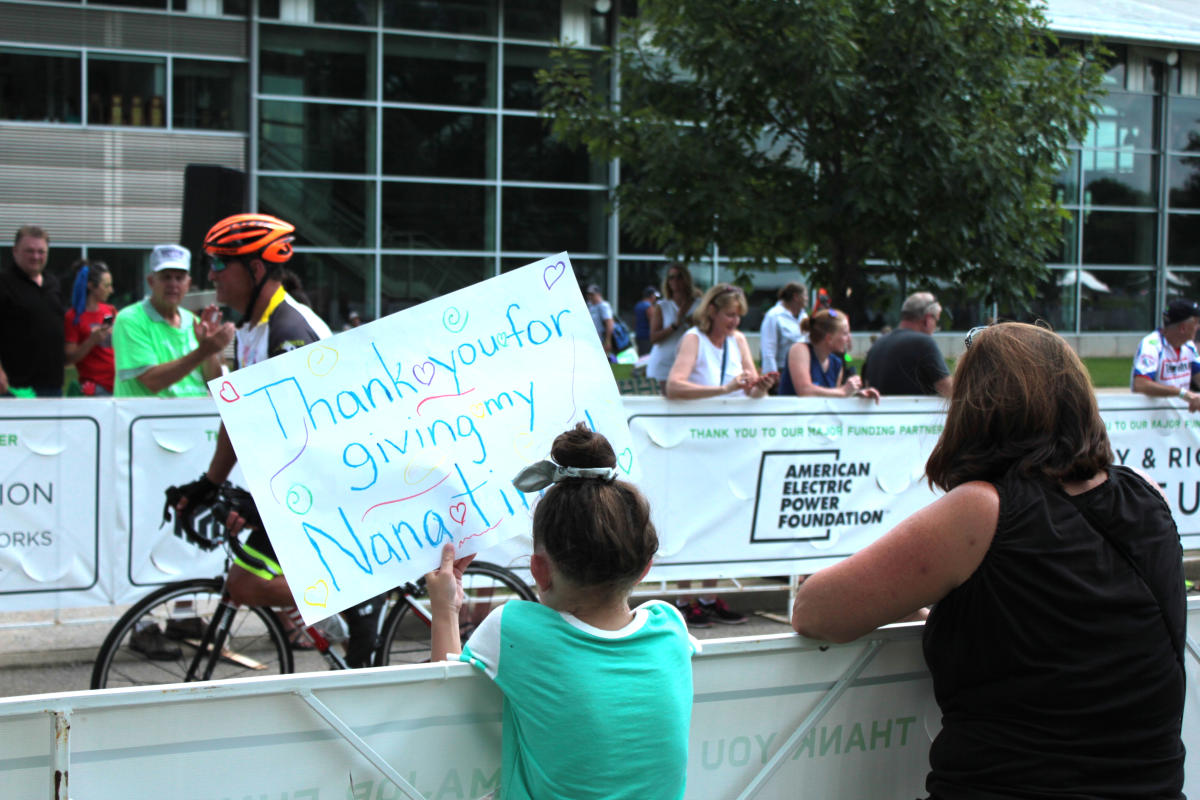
point(31, 319)
point(907, 360)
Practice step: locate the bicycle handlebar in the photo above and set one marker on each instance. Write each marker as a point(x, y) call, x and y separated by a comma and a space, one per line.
point(204, 526)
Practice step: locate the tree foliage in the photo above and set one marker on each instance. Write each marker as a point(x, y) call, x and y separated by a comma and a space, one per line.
point(925, 133)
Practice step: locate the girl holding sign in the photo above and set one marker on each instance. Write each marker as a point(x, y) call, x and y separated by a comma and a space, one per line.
point(597, 696)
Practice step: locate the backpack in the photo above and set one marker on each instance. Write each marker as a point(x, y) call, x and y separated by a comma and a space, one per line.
point(620, 336)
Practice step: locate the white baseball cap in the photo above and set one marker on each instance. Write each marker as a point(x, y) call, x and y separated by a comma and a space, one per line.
point(170, 256)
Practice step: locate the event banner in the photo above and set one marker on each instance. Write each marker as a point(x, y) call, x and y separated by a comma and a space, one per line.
point(52, 504)
point(165, 443)
point(737, 488)
point(367, 451)
point(778, 486)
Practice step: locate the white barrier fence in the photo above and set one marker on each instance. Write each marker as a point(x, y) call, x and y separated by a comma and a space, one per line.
point(738, 488)
point(773, 717)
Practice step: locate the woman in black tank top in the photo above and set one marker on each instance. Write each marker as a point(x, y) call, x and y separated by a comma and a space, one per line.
point(1056, 642)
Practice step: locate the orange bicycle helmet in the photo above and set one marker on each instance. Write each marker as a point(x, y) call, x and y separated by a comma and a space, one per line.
point(258, 235)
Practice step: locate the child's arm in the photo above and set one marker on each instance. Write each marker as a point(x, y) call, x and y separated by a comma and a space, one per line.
point(445, 599)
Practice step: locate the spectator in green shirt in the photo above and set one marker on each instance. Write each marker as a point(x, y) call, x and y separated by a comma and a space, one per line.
point(163, 350)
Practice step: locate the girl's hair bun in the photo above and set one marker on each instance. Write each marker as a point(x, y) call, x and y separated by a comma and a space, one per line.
point(582, 447)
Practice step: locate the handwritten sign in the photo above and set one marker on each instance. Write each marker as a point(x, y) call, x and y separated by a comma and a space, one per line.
point(368, 451)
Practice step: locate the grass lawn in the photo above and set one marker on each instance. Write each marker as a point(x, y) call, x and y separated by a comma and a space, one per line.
point(1106, 372)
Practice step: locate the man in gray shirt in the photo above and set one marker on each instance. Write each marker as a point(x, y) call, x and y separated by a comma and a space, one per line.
point(907, 360)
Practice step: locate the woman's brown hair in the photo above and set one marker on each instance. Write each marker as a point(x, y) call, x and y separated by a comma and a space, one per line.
point(597, 533)
point(1022, 400)
point(825, 322)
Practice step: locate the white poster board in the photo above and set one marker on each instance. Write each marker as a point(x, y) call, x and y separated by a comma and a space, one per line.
point(368, 451)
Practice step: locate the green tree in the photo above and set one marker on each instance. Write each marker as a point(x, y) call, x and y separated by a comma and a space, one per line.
point(926, 133)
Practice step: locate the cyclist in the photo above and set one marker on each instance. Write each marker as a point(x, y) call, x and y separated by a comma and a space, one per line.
point(247, 253)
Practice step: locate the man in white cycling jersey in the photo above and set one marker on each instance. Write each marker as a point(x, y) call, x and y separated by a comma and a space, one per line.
point(247, 253)
point(1167, 360)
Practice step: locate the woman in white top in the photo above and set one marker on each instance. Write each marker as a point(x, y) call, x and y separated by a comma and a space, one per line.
point(669, 318)
point(714, 357)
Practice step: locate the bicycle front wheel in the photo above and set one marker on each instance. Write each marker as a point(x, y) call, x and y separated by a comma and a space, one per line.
point(405, 638)
point(161, 639)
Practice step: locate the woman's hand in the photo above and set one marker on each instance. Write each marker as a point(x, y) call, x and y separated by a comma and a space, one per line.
point(868, 393)
point(852, 385)
point(759, 385)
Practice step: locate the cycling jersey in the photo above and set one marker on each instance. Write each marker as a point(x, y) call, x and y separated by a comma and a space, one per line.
point(286, 325)
point(1161, 363)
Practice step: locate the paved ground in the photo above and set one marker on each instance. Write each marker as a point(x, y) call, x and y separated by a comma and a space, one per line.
point(48, 651)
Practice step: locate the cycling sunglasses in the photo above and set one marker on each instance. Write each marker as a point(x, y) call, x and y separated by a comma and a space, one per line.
point(221, 264)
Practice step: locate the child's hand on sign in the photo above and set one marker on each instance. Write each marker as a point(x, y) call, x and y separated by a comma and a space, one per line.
point(444, 585)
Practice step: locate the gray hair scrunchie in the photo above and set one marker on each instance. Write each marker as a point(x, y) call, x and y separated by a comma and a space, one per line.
point(538, 476)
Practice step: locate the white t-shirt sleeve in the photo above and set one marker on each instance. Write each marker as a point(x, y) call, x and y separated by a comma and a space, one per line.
point(768, 338)
point(482, 649)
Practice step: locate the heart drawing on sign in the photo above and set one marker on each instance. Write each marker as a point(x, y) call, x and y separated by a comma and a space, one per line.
point(228, 393)
point(424, 372)
point(461, 508)
point(625, 460)
point(317, 594)
point(552, 273)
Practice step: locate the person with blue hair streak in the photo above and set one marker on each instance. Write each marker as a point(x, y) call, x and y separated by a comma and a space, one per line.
point(87, 328)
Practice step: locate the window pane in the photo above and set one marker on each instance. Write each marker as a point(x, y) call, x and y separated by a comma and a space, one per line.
point(210, 95)
point(316, 137)
point(451, 73)
point(1184, 124)
point(1112, 237)
point(1116, 300)
point(1067, 250)
point(1185, 182)
point(317, 63)
point(411, 280)
point(1125, 120)
point(1119, 178)
point(39, 88)
point(1182, 283)
point(551, 220)
point(126, 90)
point(1054, 302)
point(128, 268)
point(1183, 239)
point(345, 12)
point(137, 3)
point(531, 154)
point(456, 16)
point(336, 284)
point(426, 216)
point(1066, 183)
point(438, 143)
point(533, 19)
point(520, 82)
point(326, 213)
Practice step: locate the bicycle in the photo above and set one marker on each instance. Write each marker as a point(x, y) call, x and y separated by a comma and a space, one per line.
point(205, 635)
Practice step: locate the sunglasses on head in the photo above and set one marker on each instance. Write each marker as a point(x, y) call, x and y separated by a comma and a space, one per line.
point(971, 334)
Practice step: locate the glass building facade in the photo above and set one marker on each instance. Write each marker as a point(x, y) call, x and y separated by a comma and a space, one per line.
point(402, 138)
